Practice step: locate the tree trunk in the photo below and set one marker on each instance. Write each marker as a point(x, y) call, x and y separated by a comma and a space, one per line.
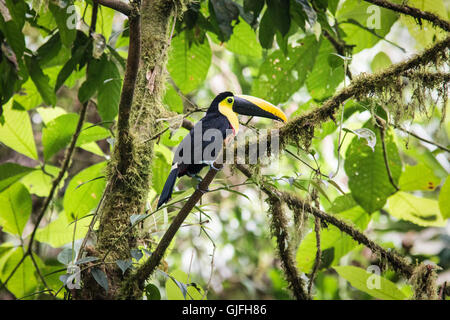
point(129, 170)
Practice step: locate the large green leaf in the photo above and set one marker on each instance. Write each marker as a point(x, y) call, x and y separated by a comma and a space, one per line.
point(364, 16)
point(84, 191)
point(40, 183)
point(333, 240)
point(109, 92)
point(29, 96)
point(61, 231)
point(160, 167)
point(16, 132)
point(242, 41)
point(61, 17)
point(41, 81)
point(444, 199)
point(94, 78)
point(421, 211)
point(58, 133)
point(12, 172)
point(24, 281)
point(188, 66)
point(15, 204)
point(12, 31)
point(281, 76)
point(327, 74)
point(418, 177)
point(371, 283)
point(367, 174)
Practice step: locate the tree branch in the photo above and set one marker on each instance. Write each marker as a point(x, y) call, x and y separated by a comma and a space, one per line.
point(117, 5)
point(293, 201)
point(279, 229)
point(413, 12)
point(147, 269)
point(126, 97)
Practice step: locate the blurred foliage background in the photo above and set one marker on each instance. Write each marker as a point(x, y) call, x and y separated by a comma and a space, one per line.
point(295, 54)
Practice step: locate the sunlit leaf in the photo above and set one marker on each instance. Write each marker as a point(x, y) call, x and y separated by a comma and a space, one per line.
point(367, 173)
point(15, 204)
point(80, 201)
point(421, 211)
point(16, 132)
point(371, 283)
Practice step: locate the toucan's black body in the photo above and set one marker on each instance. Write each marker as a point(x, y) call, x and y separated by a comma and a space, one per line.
point(219, 118)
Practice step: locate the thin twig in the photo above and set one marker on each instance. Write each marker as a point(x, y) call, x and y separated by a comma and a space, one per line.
point(421, 138)
point(382, 128)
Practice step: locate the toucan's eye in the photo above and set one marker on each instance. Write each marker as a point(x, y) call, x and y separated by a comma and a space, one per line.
point(229, 100)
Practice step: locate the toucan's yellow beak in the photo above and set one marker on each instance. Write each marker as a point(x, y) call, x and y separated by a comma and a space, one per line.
point(252, 106)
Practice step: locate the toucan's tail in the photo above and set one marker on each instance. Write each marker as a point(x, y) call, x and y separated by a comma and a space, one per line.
point(168, 187)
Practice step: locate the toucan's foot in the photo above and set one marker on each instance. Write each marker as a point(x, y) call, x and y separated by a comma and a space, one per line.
point(211, 164)
point(195, 176)
point(201, 190)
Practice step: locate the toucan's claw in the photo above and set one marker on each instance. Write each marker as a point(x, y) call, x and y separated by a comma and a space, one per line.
point(202, 190)
point(211, 164)
point(196, 177)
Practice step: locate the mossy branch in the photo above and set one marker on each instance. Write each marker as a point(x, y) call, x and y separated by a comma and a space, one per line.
point(362, 86)
point(413, 12)
point(146, 270)
point(280, 231)
point(295, 202)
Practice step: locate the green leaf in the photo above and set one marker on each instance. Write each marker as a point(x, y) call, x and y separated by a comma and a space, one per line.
point(380, 61)
point(109, 92)
point(279, 11)
point(178, 288)
point(223, 12)
point(14, 36)
point(281, 76)
point(101, 278)
point(327, 74)
point(172, 99)
point(368, 16)
point(41, 81)
point(332, 239)
point(80, 201)
point(70, 66)
point(367, 173)
point(444, 199)
point(60, 231)
point(24, 281)
point(29, 96)
point(421, 211)
point(58, 133)
point(94, 78)
point(188, 66)
point(12, 172)
point(266, 31)
point(160, 168)
point(66, 256)
point(152, 292)
point(418, 177)
point(371, 283)
point(16, 208)
point(243, 41)
point(61, 17)
point(16, 132)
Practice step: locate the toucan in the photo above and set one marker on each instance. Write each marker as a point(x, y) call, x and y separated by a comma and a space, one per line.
point(205, 140)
